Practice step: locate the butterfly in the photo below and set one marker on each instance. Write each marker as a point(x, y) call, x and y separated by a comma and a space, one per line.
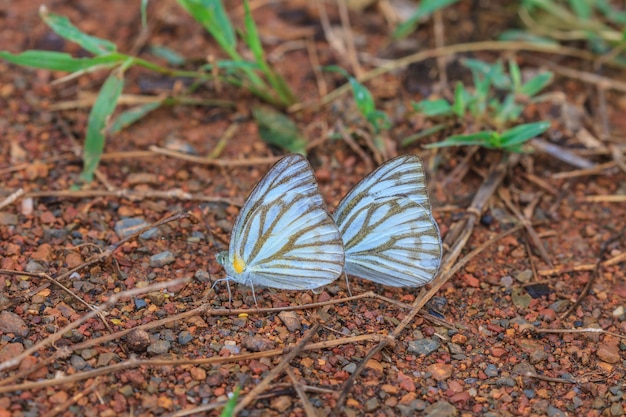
point(388, 231)
point(283, 236)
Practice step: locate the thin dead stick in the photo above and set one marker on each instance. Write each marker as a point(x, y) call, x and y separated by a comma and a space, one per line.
point(597, 170)
point(562, 154)
point(616, 198)
point(134, 363)
point(357, 70)
point(250, 397)
point(176, 194)
point(450, 50)
point(550, 379)
point(585, 330)
point(308, 407)
point(214, 162)
point(48, 341)
point(14, 196)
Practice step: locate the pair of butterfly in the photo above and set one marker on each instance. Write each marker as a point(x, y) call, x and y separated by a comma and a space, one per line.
point(382, 230)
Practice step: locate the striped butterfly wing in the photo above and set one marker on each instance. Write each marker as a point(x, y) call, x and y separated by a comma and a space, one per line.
point(283, 236)
point(389, 234)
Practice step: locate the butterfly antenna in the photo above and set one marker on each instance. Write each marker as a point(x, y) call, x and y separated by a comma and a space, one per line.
point(347, 283)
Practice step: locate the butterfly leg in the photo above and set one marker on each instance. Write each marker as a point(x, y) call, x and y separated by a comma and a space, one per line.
point(347, 283)
point(254, 296)
point(230, 296)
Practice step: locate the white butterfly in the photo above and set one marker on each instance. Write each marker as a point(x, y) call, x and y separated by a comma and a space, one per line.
point(283, 236)
point(389, 234)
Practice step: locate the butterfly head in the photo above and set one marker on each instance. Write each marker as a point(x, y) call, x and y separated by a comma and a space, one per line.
point(235, 265)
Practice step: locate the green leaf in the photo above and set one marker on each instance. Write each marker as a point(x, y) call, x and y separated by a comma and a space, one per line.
point(65, 29)
point(229, 408)
point(423, 133)
point(60, 61)
point(439, 107)
point(98, 118)
point(144, 13)
point(494, 73)
point(251, 37)
point(516, 75)
point(425, 8)
point(212, 16)
point(481, 138)
point(461, 98)
point(130, 116)
point(379, 120)
point(172, 57)
point(582, 8)
point(536, 84)
point(278, 129)
point(521, 133)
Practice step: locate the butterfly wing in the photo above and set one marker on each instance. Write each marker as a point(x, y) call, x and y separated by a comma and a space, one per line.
point(283, 236)
point(389, 234)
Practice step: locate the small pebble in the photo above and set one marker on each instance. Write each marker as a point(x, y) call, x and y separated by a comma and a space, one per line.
point(505, 382)
point(77, 362)
point(159, 347)
point(138, 340)
point(128, 226)
point(618, 312)
point(33, 266)
point(555, 412)
point(530, 394)
point(291, 320)
point(184, 337)
point(140, 303)
point(257, 344)
point(202, 275)
point(491, 370)
point(161, 259)
point(106, 358)
point(350, 368)
point(440, 409)
point(87, 354)
point(372, 404)
point(424, 346)
point(524, 276)
point(12, 323)
point(506, 281)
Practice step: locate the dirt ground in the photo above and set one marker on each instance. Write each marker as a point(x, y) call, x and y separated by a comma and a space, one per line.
point(511, 332)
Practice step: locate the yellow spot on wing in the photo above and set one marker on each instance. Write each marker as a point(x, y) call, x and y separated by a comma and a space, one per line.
point(238, 264)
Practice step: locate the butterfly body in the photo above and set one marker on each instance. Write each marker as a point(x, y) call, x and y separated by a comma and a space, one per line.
point(388, 231)
point(284, 237)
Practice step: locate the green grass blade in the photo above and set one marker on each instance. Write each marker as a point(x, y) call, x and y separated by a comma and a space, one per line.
point(60, 61)
point(62, 26)
point(144, 14)
point(481, 138)
point(212, 16)
point(425, 8)
point(521, 133)
point(253, 40)
point(132, 115)
point(536, 84)
point(277, 129)
point(439, 107)
point(229, 408)
point(98, 117)
point(172, 57)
